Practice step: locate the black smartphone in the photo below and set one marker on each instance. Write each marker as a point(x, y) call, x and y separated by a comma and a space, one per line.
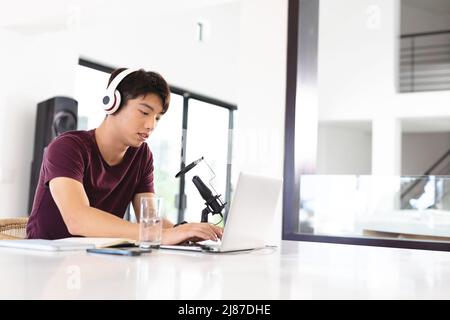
point(117, 251)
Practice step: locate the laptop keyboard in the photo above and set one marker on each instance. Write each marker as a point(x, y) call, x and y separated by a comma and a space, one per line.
point(204, 245)
point(190, 244)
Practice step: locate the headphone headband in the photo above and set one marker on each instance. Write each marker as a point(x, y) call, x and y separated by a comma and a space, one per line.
point(112, 97)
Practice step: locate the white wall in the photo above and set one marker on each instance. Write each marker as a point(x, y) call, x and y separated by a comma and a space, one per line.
point(357, 68)
point(34, 68)
point(421, 150)
point(344, 149)
point(259, 130)
point(166, 42)
point(357, 58)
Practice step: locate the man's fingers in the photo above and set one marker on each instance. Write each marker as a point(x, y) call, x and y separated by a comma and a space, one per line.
point(208, 235)
point(218, 230)
point(204, 232)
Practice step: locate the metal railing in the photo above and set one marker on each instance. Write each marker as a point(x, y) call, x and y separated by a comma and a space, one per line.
point(425, 61)
point(416, 187)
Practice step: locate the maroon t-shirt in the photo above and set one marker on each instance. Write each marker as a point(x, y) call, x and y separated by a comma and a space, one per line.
point(75, 155)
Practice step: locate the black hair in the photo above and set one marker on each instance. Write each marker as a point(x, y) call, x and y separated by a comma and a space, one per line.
point(141, 83)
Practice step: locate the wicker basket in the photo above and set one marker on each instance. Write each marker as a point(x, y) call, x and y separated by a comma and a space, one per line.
point(13, 228)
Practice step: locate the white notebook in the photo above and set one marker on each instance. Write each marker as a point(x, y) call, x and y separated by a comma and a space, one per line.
point(46, 245)
point(100, 242)
point(66, 244)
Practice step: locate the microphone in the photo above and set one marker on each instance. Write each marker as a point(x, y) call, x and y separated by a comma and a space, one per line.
point(213, 203)
point(189, 167)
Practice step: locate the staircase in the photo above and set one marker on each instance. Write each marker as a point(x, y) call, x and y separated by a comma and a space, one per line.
point(413, 187)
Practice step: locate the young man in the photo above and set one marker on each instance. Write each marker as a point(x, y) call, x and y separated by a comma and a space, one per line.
point(88, 178)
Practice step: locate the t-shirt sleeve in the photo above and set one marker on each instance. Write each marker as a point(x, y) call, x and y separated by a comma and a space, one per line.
point(63, 158)
point(146, 181)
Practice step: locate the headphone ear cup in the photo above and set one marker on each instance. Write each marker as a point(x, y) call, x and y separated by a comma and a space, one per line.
point(107, 101)
point(112, 98)
point(118, 97)
point(115, 105)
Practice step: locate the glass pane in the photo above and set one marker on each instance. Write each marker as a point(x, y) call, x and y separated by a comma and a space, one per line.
point(362, 131)
point(376, 206)
point(90, 84)
point(207, 137)
point(165, 143)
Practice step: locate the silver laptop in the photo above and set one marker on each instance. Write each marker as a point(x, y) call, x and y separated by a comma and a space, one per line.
point(249, 218)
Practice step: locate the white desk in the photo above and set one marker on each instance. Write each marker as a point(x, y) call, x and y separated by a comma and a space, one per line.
point(296, 270)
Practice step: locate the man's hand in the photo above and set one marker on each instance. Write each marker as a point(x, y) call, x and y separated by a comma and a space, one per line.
point(191, 232)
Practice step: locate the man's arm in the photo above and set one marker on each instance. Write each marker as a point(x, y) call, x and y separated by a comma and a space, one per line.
point(137, 206)
point(83, 220)
point(188, 231)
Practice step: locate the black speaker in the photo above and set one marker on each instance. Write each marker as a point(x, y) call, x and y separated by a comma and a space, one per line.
point(54, 116)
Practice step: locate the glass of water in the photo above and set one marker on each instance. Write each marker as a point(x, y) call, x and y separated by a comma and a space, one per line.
point(150, 223)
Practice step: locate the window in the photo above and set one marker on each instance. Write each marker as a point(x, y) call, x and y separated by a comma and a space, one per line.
point(343, 176)
point(165, 143)
point(90, 84)
point(207, 136)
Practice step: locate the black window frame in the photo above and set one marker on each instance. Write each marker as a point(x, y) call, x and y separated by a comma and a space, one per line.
point(187, 95)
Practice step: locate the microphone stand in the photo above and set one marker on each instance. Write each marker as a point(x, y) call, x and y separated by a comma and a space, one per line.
point(205, 213)
point(208, 210)
point(213, 203)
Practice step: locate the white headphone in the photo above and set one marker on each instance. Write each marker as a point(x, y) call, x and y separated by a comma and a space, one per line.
point(112, 98)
